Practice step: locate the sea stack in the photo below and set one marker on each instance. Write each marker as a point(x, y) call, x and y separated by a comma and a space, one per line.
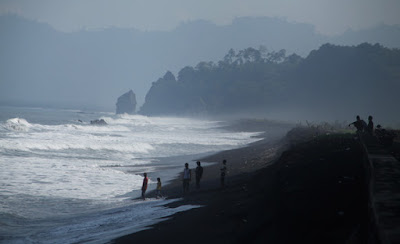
point(126, 103)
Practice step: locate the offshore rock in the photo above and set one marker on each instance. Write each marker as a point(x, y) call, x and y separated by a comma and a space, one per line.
point(98, 122)
point(126, 103)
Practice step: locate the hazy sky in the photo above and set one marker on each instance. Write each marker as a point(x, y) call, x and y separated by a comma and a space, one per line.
point(328, 16)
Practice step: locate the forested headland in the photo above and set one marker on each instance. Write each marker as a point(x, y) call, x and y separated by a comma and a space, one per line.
point(332, 82)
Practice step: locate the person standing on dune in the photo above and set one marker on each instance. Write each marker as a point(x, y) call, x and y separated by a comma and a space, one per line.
point(370, 126)
point(359, 124)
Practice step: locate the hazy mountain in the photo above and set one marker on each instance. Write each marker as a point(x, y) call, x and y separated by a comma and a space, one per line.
point(386, 35)
point(91, 69)
point(333, 82)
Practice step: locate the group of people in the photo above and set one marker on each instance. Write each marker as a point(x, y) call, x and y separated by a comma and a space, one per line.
point(187, 177)
point(361, 126)
point(384, 137)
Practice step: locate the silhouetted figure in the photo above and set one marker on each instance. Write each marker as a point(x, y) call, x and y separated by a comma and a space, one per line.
point(199, 174)
point(370, 126)
point(158, 189)
point(224, 171)
point(359, 124)
point(187, 176)
point(144, 186)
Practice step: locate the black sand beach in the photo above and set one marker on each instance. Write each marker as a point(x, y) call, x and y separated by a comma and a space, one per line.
point(308, 187)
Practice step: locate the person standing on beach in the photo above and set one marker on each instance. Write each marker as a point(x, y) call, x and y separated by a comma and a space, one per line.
point(199, 174)
point(187, 177)
point(370, 126)
point(224, 171)
point(158, 189)
point(144, 186)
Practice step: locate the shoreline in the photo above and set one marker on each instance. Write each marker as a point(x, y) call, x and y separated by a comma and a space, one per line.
point(242, 163)
point(246, 159)
point(312, 192)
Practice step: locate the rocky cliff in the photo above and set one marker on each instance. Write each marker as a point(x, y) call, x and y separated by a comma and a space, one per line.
point(126, 103)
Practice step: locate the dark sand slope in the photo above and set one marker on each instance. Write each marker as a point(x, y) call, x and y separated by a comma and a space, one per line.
point(323, 192)
point(313, 193)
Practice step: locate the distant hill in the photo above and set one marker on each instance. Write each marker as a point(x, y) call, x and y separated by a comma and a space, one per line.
point(386, 35)
point(91, 69)
point(333, 82)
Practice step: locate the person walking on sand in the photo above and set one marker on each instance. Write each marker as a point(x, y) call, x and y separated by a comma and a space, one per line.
point(144, 186)
point(199, 174)
point(224, 171)
point(158, 189)
point(187, 177)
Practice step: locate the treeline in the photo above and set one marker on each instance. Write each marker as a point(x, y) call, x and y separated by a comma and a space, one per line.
point(332, 78)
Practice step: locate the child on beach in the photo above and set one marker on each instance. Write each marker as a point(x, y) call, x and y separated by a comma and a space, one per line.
point(158, 189)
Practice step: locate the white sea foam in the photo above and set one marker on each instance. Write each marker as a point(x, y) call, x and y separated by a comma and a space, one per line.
point(68, 159)
point(102, 227)
point(17, 124)
point(55, 154)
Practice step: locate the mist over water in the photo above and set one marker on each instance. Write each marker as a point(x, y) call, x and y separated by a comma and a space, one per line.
point(56, 167)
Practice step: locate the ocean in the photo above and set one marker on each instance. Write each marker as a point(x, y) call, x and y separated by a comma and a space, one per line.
point(63, 180)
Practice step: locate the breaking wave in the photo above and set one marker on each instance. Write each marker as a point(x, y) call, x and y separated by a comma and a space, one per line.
point(17, 124)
